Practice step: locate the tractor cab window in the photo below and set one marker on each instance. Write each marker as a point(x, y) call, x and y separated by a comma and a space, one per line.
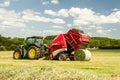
point(30, 41)
point(39, 41)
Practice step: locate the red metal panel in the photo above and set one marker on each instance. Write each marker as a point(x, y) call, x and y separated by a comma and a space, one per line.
point(75, 38)
point(58, 43)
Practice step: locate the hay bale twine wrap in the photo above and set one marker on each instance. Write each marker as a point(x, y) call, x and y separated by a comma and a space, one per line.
point(82, 55)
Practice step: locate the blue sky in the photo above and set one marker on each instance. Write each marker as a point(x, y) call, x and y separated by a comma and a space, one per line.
point(22, 18)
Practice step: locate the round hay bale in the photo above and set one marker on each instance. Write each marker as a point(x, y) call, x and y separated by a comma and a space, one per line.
point(82, 55)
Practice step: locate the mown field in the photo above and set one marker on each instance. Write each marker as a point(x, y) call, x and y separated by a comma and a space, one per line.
point(104, 65)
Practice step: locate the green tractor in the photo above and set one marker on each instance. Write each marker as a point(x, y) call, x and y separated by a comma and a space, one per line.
point(32, 49)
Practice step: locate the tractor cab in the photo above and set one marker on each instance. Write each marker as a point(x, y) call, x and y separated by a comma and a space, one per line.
point(34, 40)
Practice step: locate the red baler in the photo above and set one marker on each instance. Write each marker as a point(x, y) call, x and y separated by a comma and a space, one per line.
point(70, 45)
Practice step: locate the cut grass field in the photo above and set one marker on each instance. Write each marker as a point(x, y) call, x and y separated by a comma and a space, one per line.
point(104, 65)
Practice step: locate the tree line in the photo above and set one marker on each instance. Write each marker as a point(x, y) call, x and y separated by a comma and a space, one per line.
point(8, 43)
point(104, 43)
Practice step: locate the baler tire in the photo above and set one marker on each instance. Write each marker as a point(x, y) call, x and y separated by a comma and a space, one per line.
point(17, 54)
point(62, 57)
point(33, 52)
point(72, 59)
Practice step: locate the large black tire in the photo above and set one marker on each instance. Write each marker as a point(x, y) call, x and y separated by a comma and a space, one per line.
point(72, 59)
point(62, 57)
point(17, 54)
point(33, 52)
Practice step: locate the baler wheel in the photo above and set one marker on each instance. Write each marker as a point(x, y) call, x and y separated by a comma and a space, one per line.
point(17, 55)
point(62, 57)
point(72, 59)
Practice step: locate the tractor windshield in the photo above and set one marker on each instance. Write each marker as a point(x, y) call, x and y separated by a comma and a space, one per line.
point(34, 40)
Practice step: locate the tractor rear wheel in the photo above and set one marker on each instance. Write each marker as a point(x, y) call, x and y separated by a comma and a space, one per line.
point(33, 52)
point(17, 54)
point(62, 57)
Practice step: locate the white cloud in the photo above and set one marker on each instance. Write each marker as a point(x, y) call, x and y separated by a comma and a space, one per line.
point(69, 25)
point(85, 16)
point(30, 15)
point(30, 12)
point(46, 2)
point(42, 19)
point(5, 4)
point(78, 12)
point(80, 22)
point(62, 12)
point(95, 27)
point(115, 9)
point(52, 32)
point(29, 32)
point(89, 33)
point(50, 12)
point(10, 19)
point(14, 21)
point(82, 16)
point(103, 32)
point(57, 21)
point(54, 1)
point(13, 24)
point(100, 31)
point(57, 27)
point(88, 17)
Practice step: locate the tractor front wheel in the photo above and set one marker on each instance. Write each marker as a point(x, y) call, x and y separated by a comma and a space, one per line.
point(17, 54)
point(33, 52)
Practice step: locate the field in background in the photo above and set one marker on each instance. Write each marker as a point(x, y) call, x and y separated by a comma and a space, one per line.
point(104, 65)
